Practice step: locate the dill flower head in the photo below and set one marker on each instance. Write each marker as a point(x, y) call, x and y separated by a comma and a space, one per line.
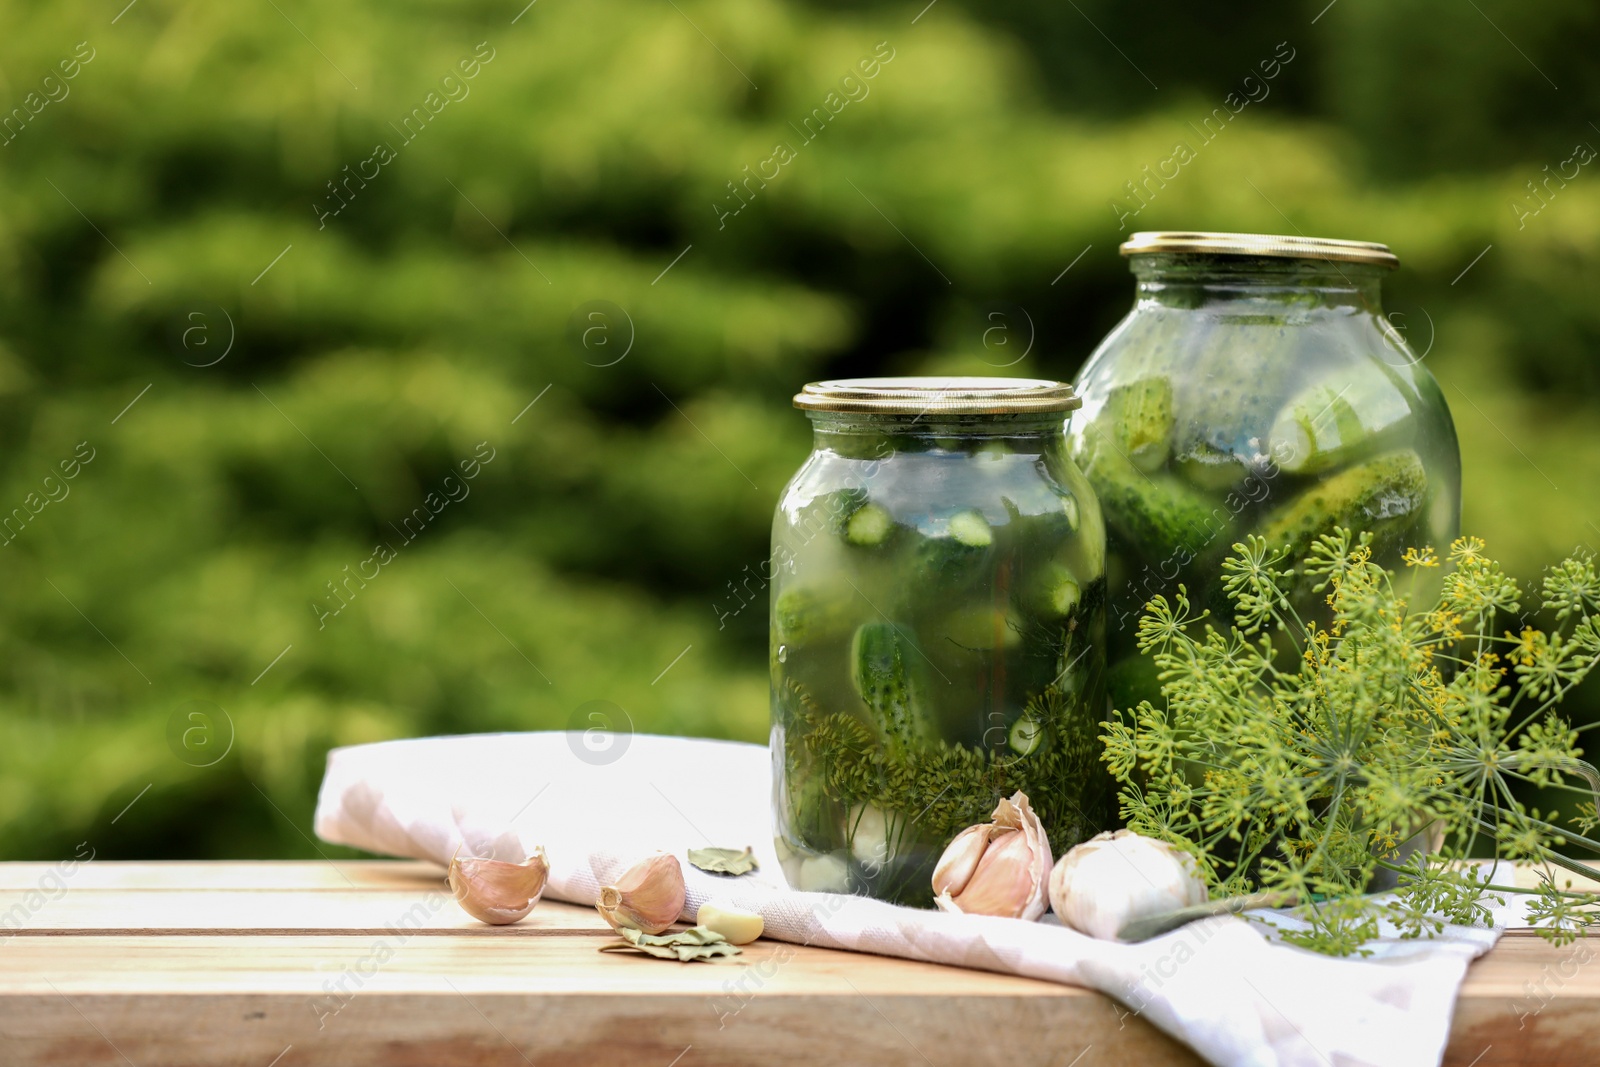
point(1392, 742)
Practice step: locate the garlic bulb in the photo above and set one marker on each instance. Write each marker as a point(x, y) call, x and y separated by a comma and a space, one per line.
point(649, 896)
point(497, 892)
point(1114, 878)
point(997, 868)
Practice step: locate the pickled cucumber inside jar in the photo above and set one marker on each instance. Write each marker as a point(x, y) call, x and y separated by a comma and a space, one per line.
point(1255, 388)
point(941, 586)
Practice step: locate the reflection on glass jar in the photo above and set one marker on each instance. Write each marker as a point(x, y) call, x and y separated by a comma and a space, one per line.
point(937, 626)
point(1255, 387)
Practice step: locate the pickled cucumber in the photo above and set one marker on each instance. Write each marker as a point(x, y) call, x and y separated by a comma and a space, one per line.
point(970, 528)
point(1158, 512)
point(868, 525)
point(1086, 553)
point(1139, 416)
point(980, 626)
point(1207, 468)
point(1069, 508)
point(1327, 425)
point(1056, 593)
point(955, 560)
point(881, 671)
point(810, 614)
point(1316, 431)
point(1233, 386)
point(1028, 735)
point(1385, 496)
point(1045, 519)
point(826, 514)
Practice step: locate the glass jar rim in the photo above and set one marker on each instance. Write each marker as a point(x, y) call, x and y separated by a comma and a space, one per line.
point(1277, 246)
point(938, 395)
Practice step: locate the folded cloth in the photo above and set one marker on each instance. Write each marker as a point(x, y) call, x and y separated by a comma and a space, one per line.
point(598, 802)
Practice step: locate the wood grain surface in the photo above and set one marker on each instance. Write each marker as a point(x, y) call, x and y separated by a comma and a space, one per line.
point(282, 964)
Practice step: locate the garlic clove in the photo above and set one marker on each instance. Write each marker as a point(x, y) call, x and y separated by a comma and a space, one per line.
point(497, 892)
point(997, 868)
point(960, 860)
point(649, 896)
point(1114, 878)
point(1004, 883)
point(740, 927)
point(869, 837)
point(824, 874)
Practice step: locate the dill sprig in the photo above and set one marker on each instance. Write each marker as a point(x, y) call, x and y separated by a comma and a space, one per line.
point(1312, 759)
point(931, 790)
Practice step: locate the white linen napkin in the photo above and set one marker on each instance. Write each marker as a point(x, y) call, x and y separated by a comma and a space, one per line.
point(599, 801)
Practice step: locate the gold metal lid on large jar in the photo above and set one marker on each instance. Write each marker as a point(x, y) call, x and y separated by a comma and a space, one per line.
point(941, 395)
point(1260, 244)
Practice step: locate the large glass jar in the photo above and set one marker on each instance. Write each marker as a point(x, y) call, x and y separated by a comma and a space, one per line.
point(1255, 387)
point(937, 615)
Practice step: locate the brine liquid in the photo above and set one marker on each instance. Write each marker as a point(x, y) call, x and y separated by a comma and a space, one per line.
point(1273, 414)
point(978, 614)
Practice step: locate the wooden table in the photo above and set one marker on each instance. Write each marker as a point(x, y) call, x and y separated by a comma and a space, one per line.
point(282, 964)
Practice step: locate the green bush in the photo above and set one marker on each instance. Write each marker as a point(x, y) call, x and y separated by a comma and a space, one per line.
point(270, 387)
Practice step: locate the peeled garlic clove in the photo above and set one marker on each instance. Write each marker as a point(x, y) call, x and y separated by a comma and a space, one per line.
point(497, 892)
point(869, 837)
point(997, 868)
point(824, 874)
point(740, 927)
point(1112, 879)
point(649, 896)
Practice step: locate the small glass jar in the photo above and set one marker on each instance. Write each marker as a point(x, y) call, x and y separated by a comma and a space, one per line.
point(1255, 387)
point(937, 620)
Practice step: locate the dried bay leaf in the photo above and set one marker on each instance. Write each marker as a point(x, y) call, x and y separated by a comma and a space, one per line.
point(723, 860)
point(685, 946)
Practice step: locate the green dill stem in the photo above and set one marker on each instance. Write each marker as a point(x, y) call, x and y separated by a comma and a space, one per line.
point(1592, 790)
point(1294, 631)
point(1555, 698)
point(1575, 866)
point(1156, 925)
point(1574, 838)
point(1498, 888)
point(1331, 819)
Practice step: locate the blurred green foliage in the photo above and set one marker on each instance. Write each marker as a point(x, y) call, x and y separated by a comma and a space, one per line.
point(301, 380)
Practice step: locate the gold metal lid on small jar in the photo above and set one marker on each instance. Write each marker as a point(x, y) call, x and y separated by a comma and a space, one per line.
point(938, 395)
point(1260, 244)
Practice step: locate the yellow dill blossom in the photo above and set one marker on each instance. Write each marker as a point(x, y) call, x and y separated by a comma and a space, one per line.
point(1423, 558)
point(1303, 762)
